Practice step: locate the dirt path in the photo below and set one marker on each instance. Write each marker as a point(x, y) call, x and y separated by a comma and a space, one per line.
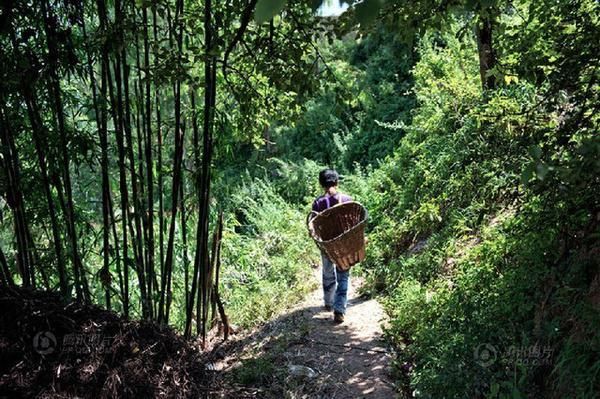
point(303, 354)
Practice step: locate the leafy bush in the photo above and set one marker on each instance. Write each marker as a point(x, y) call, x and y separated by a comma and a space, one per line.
point(474, 246)
point(343, 124)
point(296, 183)
point(267, 255)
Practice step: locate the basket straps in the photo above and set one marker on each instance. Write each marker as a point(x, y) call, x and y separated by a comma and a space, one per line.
point(338, 197)
point(310, 216)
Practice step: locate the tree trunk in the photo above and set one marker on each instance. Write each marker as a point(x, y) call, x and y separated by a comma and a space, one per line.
point(40, 146)
point(176, 183)
point(149, 165)
point(199, 278)
point(201, 259)
point(102, 121)
point(137, 234)
point(117, 112)
point(5, 275)
point(183, 229)
point(81, 283)
point(15, 198)
point(159, 166)
point(487, 55)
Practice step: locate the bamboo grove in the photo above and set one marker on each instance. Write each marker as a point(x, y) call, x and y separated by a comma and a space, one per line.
point(113, 115)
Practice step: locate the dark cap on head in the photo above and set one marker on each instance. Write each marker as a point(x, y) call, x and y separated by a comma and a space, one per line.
point(328, 178)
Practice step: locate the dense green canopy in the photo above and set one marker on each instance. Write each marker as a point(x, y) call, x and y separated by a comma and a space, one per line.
point(158, 157)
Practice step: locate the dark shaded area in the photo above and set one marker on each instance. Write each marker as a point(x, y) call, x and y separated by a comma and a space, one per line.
point(52, 348)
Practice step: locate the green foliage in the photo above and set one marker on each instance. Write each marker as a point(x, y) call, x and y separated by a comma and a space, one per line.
point(296, 183)
point(345, 122)
point(366, 11)
point(130, 80)
point(267, 9)
point(484, 204)
point(322, 131)
point(266, 259)
point(386, 96)
point(475, 241)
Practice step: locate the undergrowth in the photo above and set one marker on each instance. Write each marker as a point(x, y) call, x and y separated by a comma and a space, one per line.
point(484, 222)
point(267, 255)
point(486, 265)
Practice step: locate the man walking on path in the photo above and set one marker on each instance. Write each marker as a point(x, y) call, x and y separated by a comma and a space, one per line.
point(335, 281)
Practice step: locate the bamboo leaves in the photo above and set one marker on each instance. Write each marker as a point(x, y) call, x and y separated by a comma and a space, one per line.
point(121, 162)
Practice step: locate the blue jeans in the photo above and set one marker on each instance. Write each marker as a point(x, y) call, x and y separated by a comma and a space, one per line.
point(335, 285)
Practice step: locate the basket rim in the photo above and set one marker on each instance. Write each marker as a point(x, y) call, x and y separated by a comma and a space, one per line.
point(359, 224)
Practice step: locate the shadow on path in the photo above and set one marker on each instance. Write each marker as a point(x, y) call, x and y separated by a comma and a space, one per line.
point(303, 354)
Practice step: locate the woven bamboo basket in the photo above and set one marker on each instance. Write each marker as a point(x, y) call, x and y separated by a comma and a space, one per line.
point(339, 231)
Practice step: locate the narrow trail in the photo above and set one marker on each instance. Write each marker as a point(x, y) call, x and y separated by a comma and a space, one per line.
point(303, 354)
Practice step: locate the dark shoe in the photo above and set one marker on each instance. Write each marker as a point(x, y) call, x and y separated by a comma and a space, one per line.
point(328, 308)
point(338, 318)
